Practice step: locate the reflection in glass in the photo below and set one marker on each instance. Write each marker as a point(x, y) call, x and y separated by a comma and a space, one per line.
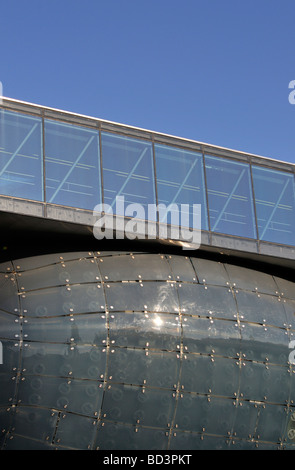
point(127, 171)
point(72, 165)
point(136, 330)
point(275, 205)
point(189, 360)
point(21, 173)
point(180, 179)
point(230, 197)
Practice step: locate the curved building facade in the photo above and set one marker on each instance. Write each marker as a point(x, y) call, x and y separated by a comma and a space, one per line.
point(145, 351)
point(126, 343)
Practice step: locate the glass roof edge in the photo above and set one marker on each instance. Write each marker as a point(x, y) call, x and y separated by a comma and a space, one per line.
point(156, 133)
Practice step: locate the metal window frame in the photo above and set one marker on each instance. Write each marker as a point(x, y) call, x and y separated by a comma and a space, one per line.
point(154, 138)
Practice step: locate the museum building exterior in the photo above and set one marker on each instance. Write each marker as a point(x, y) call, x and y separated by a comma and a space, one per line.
point(142, 341)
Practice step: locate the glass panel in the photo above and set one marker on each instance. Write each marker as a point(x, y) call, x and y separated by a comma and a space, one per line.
point(78, 329)
point(272, 423)
point(66, 436)
point(211, 301)
point(25, 443)
point(264, 382)
point(182, 440)
point(286, 288)
point(275, 205)
point(131, 404)
point(205, 374)
point(23, 264)
point(146, 296)
point(210, 272)
point(134, 267)
point(180, 179)
point(138, 367)
point(72, 165)
point(261, 308)
point(117, 436)
point(37, 423)
point(289, 307)
point(9, 293)
point(83, 298)
point(6, 415)
point(68, 272)
point(136, 329)
point(249, 279)
point(21, 156)
point(230, 197)
point(75, 361)
point(11, 356)
point(290, 429)
point(196, 412)
point(6, 267)
point(246, 420)
point(7, 389)
point(264, 343)
point(205, 336)
point(127, 171)
point(10, 326)
point(77, 396)
point(182, 269)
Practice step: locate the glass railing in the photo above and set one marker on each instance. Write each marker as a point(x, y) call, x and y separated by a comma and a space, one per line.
point(60, 162)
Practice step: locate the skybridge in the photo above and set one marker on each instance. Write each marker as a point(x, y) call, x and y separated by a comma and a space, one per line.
point(57, 166)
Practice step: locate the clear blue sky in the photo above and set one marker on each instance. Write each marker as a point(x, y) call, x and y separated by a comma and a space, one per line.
point(213, 71)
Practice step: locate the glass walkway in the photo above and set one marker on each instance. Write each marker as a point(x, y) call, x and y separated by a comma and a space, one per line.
point(61, 159)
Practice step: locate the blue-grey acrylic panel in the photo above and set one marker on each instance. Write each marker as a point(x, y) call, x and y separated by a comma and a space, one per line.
point(144, 367)
point(87, 328)
point(137, 405)
point(210, 374)
point(63, 394)
point(145, 296)
point(145, 330)
point(207, 301)
point(64, 360)
point(135, 266)
point(63, 300)
point(83, 439)
point(116, 436)
point(36, 423)
point(60, 273)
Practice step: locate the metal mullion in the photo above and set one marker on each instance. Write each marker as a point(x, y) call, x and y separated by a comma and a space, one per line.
point(44, 165)
point(254, 204)
point(275, 208)
point(206, 190)
point(229, 199)
point(131, 173)
point(101, 163)
point(155, 179)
